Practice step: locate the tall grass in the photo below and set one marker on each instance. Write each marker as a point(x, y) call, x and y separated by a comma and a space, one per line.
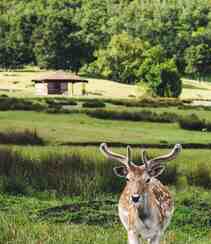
point(84, 171)
point(26, 137)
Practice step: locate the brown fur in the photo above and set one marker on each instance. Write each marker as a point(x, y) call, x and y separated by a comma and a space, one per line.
point(145, 205)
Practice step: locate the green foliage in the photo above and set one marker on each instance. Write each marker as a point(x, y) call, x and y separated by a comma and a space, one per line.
point(144, 115)
point(126, 41)
point(160, 74)
point(26, 137)
point(94, 104)
point(193, 122)
point(120, 60)
point(52, 102)
point(198, 59)
point(11, 103)
point(61, 47)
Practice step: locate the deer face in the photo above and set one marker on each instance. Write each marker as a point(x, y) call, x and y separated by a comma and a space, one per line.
point(138, 180)
point(137, 184)
point(139, 177)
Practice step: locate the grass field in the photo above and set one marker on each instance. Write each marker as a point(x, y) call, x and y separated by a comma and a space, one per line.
point(64, 128)
point(67, 195)
point(43, 219)
point(19, 83)
point(51, 217)
point(48, 216)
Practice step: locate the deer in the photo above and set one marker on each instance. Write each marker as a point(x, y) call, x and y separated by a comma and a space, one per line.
point(145, 206)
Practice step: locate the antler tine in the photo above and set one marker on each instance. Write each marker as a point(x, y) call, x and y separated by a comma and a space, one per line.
point(145, 158)
point(115, 156)
point(172, 155)
point(129, 155)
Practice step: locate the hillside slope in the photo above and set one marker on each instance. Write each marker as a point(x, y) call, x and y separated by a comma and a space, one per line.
point(20, 84)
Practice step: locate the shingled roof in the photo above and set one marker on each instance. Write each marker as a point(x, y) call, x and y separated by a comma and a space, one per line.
point(60, 77)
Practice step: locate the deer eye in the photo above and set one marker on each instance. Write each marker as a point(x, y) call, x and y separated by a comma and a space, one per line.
point(127, 179)
point(148, 180)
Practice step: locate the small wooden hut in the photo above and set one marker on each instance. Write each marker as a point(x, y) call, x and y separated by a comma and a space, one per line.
point(56, 84)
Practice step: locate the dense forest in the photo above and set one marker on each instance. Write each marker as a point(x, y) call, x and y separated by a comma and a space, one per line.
point(154, 41)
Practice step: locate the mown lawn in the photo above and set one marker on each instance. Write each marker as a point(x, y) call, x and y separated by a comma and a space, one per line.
point(64, 128)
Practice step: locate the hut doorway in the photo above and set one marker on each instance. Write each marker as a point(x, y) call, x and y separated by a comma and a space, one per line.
point(54, 88)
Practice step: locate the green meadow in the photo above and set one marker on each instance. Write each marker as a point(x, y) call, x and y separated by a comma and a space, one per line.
point(62, 193)
point(64, 128)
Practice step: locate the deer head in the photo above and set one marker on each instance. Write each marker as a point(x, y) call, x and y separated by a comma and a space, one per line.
point(139, 177)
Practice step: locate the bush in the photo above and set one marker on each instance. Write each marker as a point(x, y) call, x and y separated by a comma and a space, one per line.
point(11, 103)
point(94, 104)
point(144, 115)
point(146, 102)
point(193, 122)
point(26, 137)
point(200, 175)
point(15, 186)
point(52, 102)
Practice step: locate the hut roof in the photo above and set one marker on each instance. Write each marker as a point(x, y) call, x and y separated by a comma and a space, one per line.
point(60, 77)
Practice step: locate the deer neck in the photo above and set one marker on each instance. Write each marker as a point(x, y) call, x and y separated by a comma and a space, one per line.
point(144, 211)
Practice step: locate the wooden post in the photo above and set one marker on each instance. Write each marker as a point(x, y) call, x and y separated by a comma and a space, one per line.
point(83, 89)
point(72, 89)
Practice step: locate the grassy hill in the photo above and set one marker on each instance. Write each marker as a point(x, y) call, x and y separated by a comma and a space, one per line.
point(20, 84)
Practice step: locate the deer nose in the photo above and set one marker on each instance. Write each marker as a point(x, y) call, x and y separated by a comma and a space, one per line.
point(135, 198)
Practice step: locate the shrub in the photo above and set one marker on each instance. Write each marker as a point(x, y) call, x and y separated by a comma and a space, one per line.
point(11, 103)
point(94, 104)
point(170, 174)
point(193, 122)
point(144, 115)
point(52, 102)
point(200, 175)
point(15, 186)
point(26, 137)
point(146, 102)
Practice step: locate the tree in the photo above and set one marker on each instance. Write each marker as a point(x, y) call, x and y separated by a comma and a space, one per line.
point(121, 59)
point(160, 73)
point(198, 59)
point(58, 43)
point(170, 81)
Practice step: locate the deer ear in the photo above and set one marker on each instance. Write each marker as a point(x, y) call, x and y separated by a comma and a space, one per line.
point(121, 171)
point(156, 171)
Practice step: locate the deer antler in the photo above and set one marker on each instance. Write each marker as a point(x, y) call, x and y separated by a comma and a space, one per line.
point(156, 162)
point(126, 160)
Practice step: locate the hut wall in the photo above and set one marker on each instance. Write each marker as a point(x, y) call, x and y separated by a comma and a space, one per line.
point(41, 89)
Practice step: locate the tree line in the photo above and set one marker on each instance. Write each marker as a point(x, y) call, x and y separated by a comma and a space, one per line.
point(130, 41)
